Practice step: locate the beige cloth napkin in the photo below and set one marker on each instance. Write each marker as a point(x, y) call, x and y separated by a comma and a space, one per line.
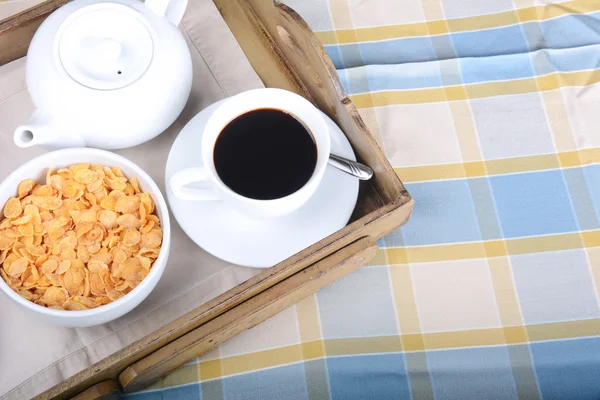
point(35, 356)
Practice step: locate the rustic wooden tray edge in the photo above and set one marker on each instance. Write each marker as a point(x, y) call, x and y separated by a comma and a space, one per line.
point(286, 54)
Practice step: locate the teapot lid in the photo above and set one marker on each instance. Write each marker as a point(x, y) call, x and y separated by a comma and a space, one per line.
point(105, 46)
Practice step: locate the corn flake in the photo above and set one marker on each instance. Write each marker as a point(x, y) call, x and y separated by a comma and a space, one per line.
point(72, 305)
point(135, 185)
point(77, 167)
point(108, 202)
point(147, 202)
point(86, 176)
point(23, 220)
point(84, 238)
point(25, 188)
point(49, 267)
point(17, 267)
point(128, 221)
point(46, 202)
point(127, 204)
point(131, 237)
point(63, 267)
point(82, 253)
point(152, 239)
point(44, 190)
point(26, 229)
point(116, 184)
point(13, 208)
point(6, 240)
point(55, 296)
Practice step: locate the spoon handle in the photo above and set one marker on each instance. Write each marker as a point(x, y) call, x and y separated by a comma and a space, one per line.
point(361, 171)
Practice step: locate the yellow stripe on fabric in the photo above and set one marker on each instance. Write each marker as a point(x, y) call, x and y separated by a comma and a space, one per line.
point(365, 345)
point(492, 248)
point(477, 90)
point(506, 293)
point(591, 238)
point(496, 167)
point(458, 251)
point(308, 319)
point(520, 164)
point(379, 259)
point(404, 298)
point(483, 21)
point(310, 328)
point(568, 7)
point(465, 338)
point(433, 172)
point(589, 156)
point(312, 350)
point(181, 376)
point(593, 255)
point(371, 34)
point(439, 27)
point(542, 244)
point(476, 337)
point(489, 89)
point(569, 159)
point(564, 330)
point(415, 342)
point(262, 359)
point(380, 99)
point(408, 321)
point(472, 338)
point(210, 369)
point(466, 134)
point(558, 120)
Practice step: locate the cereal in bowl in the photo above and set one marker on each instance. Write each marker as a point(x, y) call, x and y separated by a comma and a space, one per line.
point(85, 238)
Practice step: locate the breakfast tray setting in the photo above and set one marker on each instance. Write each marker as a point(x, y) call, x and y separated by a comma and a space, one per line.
point(201, 301)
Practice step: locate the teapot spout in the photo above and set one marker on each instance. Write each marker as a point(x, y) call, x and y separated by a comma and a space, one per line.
point(45, 131)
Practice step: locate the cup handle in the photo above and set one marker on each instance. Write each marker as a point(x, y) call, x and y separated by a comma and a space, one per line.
point(192, 175)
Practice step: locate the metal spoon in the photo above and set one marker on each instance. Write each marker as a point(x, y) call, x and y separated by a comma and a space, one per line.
point(361, 171)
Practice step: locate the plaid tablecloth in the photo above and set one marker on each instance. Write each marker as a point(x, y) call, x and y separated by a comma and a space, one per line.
point(489, 111)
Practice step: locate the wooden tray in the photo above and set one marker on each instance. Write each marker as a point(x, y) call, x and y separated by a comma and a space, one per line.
point(285, 54)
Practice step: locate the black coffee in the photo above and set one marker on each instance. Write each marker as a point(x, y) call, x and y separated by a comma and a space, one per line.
point(265, 154)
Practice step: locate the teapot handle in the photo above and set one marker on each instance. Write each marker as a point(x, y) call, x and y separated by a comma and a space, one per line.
point(172, 10)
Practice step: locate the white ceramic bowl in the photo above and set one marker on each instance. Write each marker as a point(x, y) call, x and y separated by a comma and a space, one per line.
point(36, 169)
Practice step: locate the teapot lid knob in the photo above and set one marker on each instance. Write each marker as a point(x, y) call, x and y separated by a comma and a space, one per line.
point(105, 46)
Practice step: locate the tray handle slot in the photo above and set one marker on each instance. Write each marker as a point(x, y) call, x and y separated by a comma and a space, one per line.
point(248, 314)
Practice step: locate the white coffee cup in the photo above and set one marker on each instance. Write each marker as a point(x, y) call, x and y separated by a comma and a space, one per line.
point(212, 187)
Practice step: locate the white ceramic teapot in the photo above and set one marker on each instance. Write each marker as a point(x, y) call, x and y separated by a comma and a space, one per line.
point(106, 74)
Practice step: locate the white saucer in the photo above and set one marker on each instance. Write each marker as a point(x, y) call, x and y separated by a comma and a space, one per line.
point(233, 237)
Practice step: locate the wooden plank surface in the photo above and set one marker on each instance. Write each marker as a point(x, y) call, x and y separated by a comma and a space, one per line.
point(16, 31)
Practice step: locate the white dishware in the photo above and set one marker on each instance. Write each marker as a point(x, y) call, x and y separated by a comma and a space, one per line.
point(106, 74)
point(237, 238)
point(214, 188)
point(36, 169)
